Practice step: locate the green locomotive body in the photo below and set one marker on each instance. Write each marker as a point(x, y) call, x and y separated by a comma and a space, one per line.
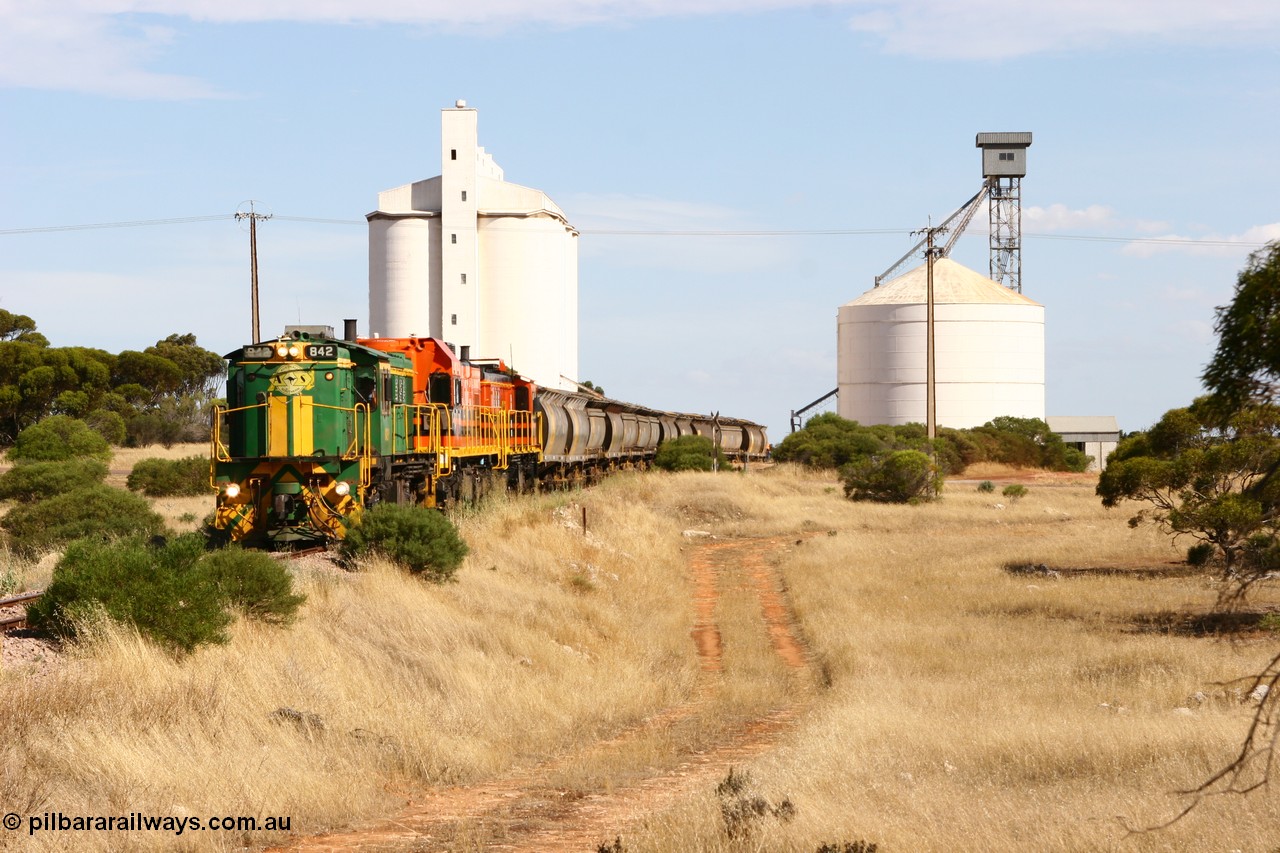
point(307, 422)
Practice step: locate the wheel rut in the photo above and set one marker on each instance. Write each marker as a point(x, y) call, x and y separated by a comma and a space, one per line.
point(526, 811)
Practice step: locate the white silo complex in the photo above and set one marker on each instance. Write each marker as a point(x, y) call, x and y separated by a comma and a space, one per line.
point(989, 343)
point(489, 266)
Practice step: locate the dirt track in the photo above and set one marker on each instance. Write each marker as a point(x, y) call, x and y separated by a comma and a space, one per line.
point(526, 812)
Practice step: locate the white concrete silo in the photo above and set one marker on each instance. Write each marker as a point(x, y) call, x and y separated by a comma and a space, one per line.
point(989, 343)
point(528, 263)
point(489, 266)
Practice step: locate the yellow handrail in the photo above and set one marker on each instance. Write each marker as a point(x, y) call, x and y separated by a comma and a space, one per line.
point(433, 428)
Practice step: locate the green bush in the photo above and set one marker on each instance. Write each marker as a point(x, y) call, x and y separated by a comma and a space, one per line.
point(903, 476)
point(422, 540)
point(1200, 554)
point(98, 511)
point(58, 438)
point(108, 424)
point(1014, 491)
point(689, 453)
point(986, 487)
point(830, 441)
point(253, 584)
point(159, 590)
point(166, 478)
point(34, 481)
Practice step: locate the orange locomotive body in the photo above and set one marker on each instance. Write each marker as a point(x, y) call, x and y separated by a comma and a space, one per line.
point(477, 411)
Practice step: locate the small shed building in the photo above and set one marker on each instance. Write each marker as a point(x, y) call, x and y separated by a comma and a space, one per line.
point(1096, 435)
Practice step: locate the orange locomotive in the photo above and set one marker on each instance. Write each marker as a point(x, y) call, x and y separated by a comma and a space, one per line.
point(477, 417)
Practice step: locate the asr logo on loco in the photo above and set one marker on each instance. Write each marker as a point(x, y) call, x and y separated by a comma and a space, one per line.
point(291, 380)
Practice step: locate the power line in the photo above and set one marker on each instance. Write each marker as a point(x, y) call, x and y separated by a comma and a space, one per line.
point(619, 232)
point(323, 221)
point(801, 232)
point(136, 223)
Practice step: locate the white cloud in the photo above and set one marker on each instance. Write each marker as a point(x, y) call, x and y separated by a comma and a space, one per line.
point(1206, 244)
point(1059, 217)
point(997, 29)
point(79, 48)
point(96, 46)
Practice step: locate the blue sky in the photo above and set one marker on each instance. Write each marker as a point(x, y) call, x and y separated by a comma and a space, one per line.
point(1151, 120)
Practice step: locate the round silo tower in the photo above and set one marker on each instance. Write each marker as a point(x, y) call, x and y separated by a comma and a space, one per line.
point(989, 350)
point(488, 266)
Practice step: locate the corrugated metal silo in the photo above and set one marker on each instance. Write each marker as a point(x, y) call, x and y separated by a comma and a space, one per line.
point(989, 344)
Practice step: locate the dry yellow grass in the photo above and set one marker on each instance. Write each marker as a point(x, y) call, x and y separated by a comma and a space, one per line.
point(972, 709)
point(966, 708)
point(551, 638)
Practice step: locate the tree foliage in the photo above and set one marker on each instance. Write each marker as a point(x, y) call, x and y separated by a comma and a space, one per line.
point(1213, 470)
point(173, 381)
point(830, 441)
point(57, 439)
point(1200, 478)
point(689, 453)
point(1246, 365)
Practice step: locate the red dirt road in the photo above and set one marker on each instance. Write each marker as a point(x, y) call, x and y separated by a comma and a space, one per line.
point(525, 812)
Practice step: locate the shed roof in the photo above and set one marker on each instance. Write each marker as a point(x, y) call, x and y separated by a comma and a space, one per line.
point(1083, 423)
point(1003, 140)
point(953, 283)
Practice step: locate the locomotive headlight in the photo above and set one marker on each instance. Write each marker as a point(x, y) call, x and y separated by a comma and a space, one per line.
point(343, 489)
point(294, 351)
point(232, 490)
point(282, 350)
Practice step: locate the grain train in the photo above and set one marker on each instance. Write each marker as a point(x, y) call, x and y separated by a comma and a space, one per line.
point(318, 428)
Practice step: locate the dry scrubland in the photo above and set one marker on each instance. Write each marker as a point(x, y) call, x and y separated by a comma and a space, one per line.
point(959, 707)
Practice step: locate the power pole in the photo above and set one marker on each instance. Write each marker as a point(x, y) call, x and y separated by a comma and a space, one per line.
point(930, 385)
point(253, 216)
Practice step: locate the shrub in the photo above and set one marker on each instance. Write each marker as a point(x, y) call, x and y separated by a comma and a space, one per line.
point(159, 590)
point(165, 478)
point(108, 424)
point(1014, 491)
point(33, 481)
point(424, 541)
point(58, 438)
point(1200, 554)
point(830, 441)
point(986, 487)
point(253, 584)
point(148, 428)
point(903, 476)
point(688, 453)
point(98, 511)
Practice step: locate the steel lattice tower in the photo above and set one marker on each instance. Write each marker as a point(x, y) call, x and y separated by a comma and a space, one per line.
point(1004, 163)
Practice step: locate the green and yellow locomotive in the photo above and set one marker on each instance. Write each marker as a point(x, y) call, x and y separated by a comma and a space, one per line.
point(296, 447)
point(316, 429)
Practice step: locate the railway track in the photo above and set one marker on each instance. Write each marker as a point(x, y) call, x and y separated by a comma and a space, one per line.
point(12, 622)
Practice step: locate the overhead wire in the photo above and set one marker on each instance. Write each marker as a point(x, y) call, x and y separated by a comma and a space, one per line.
point(688, 232)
